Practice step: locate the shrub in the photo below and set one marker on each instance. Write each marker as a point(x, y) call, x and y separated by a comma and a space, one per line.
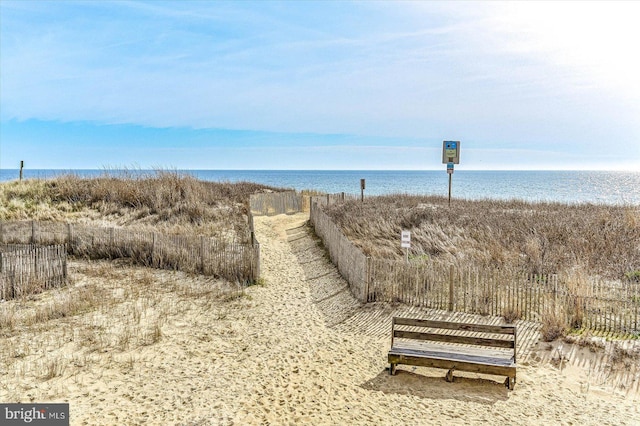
point(511, 314)
point(554, 325)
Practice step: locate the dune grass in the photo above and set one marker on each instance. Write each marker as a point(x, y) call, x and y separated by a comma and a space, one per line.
point(535, 238)
point(165, 201)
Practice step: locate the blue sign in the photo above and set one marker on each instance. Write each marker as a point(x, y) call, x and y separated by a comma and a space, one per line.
point(450, 152)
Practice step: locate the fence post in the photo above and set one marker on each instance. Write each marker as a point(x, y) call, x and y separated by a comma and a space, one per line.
point(636, 300)
point(64, 265)
point(1, 234)
point(33, 232)
point(451, 287)
point(368, 278)
point(202, 254)
point(555, 295)
point(37, 254)
point(153, 246)
point(256, 249)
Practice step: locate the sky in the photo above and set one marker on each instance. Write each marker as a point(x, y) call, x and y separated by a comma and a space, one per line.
point(319, 85)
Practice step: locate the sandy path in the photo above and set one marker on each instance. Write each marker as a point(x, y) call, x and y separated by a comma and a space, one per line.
point(320, 358)
point(299, 368)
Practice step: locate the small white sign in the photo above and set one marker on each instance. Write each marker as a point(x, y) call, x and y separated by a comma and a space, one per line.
point(405, 239)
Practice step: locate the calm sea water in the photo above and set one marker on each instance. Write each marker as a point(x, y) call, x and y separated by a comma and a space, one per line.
point(562, 186)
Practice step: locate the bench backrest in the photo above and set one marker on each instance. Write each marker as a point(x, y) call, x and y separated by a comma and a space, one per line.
point(478, 340)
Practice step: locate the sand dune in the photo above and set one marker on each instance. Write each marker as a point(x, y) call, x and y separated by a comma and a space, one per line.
point(297, 349)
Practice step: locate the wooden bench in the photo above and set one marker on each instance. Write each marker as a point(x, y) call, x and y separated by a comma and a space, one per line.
point(488, 349)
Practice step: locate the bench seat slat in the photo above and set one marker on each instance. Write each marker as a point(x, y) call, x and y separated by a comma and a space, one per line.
point(417, 345)
point(453, 356)
point(452, 364)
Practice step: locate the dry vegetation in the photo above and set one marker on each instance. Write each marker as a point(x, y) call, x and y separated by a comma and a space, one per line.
point(102, 320)
point(110, 312)
point(165, 201)
point(535, 238)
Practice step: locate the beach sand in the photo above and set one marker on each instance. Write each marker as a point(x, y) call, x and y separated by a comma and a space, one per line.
point(171, 348)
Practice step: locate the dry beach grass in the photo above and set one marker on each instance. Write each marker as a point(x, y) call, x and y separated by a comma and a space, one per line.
point(536, 238)
point(162, 201)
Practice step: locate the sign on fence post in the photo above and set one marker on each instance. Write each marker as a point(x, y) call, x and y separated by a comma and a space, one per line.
point(405, 243)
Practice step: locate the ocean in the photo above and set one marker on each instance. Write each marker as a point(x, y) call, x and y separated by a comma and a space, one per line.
point(600, 187)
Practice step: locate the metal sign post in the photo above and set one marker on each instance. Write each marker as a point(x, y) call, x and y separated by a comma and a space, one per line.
point(450, 173)
point(450, 156)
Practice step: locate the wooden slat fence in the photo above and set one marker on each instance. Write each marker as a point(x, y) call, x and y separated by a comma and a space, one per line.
point(291, 202)
point(27, 269)
point(274, 203)
point(326, 199)
point(349, 260)
point(196, 254)
point(591, 303)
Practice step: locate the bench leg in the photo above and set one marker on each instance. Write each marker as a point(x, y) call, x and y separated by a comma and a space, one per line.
point(392, 369)
point(510, 383)
point(449, 376)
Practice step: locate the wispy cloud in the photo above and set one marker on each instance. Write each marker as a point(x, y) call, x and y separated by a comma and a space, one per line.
point(489, 73)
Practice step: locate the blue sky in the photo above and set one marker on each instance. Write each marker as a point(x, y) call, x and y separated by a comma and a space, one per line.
point(319, 85)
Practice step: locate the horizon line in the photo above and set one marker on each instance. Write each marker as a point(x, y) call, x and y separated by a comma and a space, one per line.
point(170, 169)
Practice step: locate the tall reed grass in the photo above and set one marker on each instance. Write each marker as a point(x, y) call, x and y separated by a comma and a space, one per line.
point(534, 238)
point(164, 201)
